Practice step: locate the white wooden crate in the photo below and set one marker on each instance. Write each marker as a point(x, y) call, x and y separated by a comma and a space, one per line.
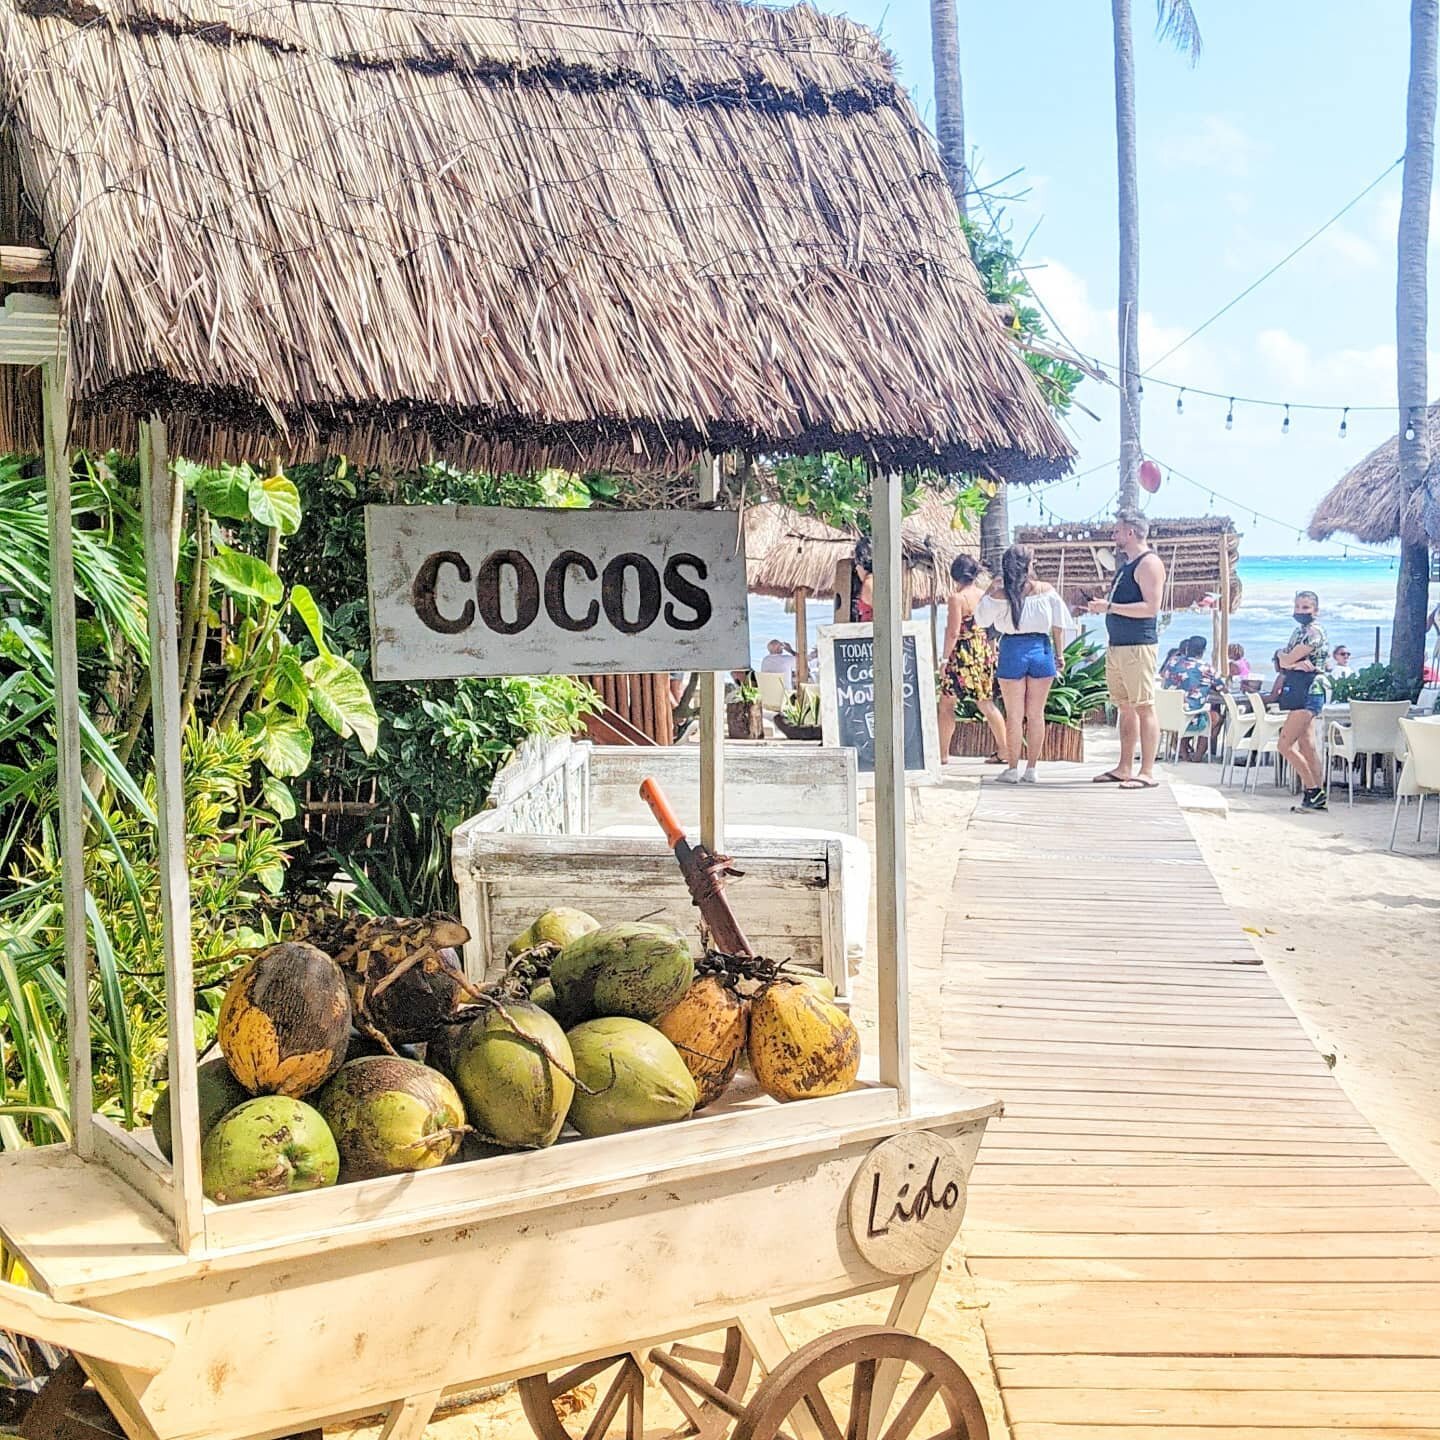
point(789, 898)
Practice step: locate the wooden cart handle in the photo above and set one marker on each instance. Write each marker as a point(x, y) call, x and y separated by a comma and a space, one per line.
point(654, 797)
point(87, 1332)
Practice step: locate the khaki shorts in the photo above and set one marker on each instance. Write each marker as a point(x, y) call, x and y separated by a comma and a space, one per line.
point(1130, 673)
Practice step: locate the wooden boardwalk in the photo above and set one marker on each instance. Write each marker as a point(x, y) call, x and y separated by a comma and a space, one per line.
point(1181, 1229)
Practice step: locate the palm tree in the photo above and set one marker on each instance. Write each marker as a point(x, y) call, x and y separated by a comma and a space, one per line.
point(1175, 21)
point(1412, 586)
point(950, 132)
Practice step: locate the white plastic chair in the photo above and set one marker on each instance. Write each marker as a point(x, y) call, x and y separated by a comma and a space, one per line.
point(1262, 739)
point(1174, 719)
point(1239, 725)
point(1420, 775)
point(1374, 729)
point(774, 692)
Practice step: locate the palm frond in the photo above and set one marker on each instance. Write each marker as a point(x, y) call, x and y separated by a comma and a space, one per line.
point(1175, 21)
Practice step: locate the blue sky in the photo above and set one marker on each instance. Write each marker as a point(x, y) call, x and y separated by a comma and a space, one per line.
point(1291, 111)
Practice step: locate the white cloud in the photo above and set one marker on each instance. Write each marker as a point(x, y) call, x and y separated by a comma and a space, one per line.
point(1287, 358)
point(1213, 143)
point(1349, 248)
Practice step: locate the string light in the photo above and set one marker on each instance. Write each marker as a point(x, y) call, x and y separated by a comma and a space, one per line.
point(1345, 423)
point(1410, 425)
point(1180, 402)
point(1285, 424)
point(1230, 415)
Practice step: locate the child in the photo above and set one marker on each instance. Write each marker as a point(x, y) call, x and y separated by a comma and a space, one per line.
point(1239, 665)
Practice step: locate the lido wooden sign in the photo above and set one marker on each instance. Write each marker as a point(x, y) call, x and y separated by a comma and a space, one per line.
point(458, 591)
point(907, 1201)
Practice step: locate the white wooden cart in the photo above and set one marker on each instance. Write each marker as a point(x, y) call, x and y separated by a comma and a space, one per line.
point(555, 1267)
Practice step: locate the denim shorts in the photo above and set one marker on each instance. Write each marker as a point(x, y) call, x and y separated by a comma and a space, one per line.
point(1026, 657)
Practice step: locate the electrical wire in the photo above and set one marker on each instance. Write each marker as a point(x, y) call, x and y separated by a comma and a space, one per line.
point(1279, 264)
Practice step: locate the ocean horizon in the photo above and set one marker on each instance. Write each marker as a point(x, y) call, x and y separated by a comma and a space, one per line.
point(1357, 604)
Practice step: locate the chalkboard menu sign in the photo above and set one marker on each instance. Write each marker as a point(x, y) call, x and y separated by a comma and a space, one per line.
point(847, 698)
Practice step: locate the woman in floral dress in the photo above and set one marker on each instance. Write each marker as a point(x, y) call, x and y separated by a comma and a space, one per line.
point(967, 670)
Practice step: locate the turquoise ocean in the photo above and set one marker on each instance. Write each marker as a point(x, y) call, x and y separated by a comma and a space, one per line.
point(1357, 598)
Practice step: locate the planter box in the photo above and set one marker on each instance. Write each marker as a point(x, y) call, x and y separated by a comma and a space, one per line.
point(744, 720)
point(973, 739)
point(796, 732)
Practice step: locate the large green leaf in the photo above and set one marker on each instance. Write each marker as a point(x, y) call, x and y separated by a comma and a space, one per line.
point(306, 608)
point(341, 699)
point(275, 503)
point(223, 491)
point(289, 684)
point(243, 574)
point(282, 742)
point(279, 797)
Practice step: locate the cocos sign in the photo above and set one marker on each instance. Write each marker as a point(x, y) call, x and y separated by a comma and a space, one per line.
point(479, 591)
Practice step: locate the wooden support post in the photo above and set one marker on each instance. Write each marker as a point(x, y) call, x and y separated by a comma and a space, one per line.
point(712, 713)
point(802, 638)
point(157, 484)
point(67, 753)
point(1223, 646)
point(891, 975)
point(844, 577)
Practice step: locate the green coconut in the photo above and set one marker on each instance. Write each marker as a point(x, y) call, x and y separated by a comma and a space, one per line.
point(273, 1145)
point(635, 969)
point(542, 993)
point(558, 927)
point(219, 1091)
point(390, 1116)
point(513, 1094)
point(637, 1075)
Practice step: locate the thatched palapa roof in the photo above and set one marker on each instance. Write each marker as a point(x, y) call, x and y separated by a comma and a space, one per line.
point(1079, 559)
point(581, 232)
point(787, 551)
point(1371, 502)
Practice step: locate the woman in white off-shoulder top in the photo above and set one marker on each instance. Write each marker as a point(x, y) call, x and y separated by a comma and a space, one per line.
point(1033, 621)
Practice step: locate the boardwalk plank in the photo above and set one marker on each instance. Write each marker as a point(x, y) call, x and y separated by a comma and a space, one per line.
point(1181, 1229)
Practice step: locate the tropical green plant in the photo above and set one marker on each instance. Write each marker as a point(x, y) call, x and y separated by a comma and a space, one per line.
point(802, 708)
point(1376, 682)
point(271, 682)
point(1079, 690)
point(235, 858)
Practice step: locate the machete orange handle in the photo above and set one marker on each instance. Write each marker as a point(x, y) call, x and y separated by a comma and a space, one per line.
point(654, 797)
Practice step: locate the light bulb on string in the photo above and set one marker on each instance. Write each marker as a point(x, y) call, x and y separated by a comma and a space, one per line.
point(1285, 424)
point(1230, 415)
point(1345, 423)
point(1410, 425)
point(1180, 402)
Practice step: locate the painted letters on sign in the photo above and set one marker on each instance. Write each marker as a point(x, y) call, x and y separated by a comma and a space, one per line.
point(460, 590)
point(907, 1202)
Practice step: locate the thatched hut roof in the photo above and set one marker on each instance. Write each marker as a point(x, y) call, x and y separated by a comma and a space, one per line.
point(1370, 501)
point(584, 232)
point(1079, 560)
point(786, 551)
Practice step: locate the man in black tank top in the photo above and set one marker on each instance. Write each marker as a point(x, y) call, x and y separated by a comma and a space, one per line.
point(1132, 631)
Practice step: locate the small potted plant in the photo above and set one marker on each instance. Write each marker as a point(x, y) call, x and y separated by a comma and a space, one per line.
point(744, 720)
point(800, 719)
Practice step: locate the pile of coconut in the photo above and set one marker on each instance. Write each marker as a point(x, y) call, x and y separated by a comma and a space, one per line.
point(380, 1057)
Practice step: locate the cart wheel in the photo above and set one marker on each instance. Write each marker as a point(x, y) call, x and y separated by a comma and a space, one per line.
point(708, 1386)
point(865, 1369)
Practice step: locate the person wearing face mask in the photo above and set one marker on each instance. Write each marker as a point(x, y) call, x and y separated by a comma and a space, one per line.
point(1302, 662)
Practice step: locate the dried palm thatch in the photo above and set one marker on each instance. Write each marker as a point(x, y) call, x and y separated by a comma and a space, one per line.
point(1371, 502)
point(1079, 560)
point(786, 551)
point(579, 232)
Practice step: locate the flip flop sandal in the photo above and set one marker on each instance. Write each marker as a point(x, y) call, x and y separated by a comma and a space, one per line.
point(1108, 778)
point(1138, 784)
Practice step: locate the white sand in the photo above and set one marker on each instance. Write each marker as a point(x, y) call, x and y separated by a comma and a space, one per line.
point(1351, 934)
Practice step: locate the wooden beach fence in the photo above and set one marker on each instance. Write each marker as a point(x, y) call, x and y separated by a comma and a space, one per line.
point(1201, 558)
